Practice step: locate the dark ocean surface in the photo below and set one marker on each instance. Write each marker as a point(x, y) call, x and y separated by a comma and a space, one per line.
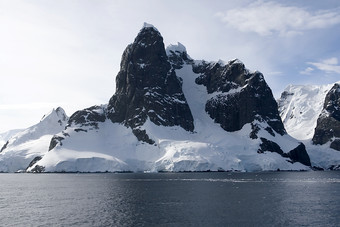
point(171, 199)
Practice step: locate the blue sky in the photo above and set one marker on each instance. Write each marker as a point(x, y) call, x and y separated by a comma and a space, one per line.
point(67, 52)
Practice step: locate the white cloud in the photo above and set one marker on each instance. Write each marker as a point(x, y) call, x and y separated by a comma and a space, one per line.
point(268, 18)
point(307, 71)
point(330, 61)
point(328, 65)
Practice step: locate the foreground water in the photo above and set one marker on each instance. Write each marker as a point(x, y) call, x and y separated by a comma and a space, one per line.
point(171, 199)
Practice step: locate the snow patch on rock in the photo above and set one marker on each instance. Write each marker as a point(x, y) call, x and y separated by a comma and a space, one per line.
point(147, 25)
point(180, 48)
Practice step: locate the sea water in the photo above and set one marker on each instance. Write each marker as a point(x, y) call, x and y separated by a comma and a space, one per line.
point(171, 199)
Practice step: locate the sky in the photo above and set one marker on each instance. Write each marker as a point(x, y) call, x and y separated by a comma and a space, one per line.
point(67, 53)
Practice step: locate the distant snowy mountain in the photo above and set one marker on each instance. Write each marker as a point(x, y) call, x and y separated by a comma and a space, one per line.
point(172, 113)
point(5, 136)
point(300, 107)
point(311, 113)
point(25, 145)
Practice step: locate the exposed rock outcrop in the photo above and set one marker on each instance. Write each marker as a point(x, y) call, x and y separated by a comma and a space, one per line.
point(328, 124)
point(147, 87)
point(299, 154)
point(241, 96)
point(88, 117)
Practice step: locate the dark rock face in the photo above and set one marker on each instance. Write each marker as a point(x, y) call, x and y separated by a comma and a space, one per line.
point(177, 57)
point(55, 141)
point(4, 146)
point(268, 145)
point(335, 167)
point(242, 98)
point(285, 95)
point(147, 87)
point(299, 154)
point(35, 160)
point(335, 144)
point(38, 169)
point(142, 135)
point(88, 117)
point(328, 124)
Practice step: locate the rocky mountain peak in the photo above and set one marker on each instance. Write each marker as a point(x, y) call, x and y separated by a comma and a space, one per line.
point(51, 123)
point(241, 96)
point(332, 102)
point(220, 76)
point(58, 114)
point(177, 55)
point(147, 87)
point(147, 49)
point(176, 49)
point(149, 26)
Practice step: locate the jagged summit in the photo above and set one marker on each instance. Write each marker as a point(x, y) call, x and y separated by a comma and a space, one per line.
point(231, 62)
point(149, 26)
point(148, 88)
point(149, 37)
point(50, 124)
point(58, 113)
point(176, 48)
point(178, 56)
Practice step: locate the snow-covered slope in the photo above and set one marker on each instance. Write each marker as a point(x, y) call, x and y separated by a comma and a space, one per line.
point(211, 147)
point(171, 113)
point(5, 136)
point(113, 147)
point(300, 107)
point(22, 147)
point(323, 156)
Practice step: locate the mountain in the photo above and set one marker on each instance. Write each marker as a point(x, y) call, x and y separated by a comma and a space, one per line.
point(311, 113)
point(173, 113)
point(148, 88)
point(300, 107)
point(5, 136)
point(24, 146)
